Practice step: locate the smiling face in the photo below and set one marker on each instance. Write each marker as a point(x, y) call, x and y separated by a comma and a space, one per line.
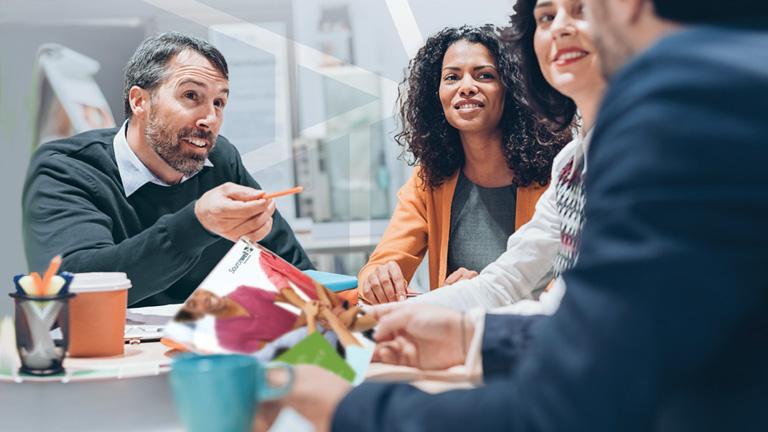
point(186, 112)
point(564, 48)
point(471, 92)
point(203, 302)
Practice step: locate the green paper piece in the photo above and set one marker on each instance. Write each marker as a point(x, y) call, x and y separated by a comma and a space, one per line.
point(315, 349)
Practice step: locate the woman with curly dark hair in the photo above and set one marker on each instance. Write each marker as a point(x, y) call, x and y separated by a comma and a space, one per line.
point(482, 162)
point(562, 76)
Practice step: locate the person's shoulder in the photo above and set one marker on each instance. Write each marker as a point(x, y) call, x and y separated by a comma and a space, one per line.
point(701, 90)
point(224, 151)
point(716, 67)
point(90, 147)
point(78, 143)
point(710, 50)
point(697, 57)
point(76, 160)
point(226, 158)
point(417, 184)
point(724, 41)
point(565, 154)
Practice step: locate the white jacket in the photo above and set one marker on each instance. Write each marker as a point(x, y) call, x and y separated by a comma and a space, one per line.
point(525, 268)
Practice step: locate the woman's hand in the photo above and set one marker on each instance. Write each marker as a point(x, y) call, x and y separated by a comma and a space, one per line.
point(384, 284)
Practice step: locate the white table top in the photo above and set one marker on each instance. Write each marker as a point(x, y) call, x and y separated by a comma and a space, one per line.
point(131, 393)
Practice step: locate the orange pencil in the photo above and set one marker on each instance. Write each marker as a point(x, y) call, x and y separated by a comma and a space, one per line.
point(291, 191)
point(38, 281)
point(53, 268)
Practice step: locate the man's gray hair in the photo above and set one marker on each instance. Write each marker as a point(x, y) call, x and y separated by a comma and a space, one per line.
point(148, 65)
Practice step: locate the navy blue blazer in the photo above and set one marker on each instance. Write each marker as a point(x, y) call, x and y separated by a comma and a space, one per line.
point(665, 323)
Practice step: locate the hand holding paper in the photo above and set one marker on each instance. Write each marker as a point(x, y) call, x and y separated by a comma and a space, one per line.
point(422, 336)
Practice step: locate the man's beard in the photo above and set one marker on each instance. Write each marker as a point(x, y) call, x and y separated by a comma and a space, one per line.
point(611, 45)
point(613, 55)
point(168, 146)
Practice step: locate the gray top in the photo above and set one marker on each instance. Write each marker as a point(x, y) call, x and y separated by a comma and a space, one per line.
point(481, 221)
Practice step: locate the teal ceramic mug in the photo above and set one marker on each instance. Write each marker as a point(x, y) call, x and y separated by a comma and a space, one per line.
point(221, 392)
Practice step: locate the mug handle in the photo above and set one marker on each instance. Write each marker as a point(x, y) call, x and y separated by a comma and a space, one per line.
point(272, 393)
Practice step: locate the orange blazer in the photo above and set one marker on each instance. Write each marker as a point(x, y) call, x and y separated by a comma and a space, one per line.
point(421, 223)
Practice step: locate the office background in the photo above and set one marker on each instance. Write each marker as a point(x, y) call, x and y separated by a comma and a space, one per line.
point(313, 86)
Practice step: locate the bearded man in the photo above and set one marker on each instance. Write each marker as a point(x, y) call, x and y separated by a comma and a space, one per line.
point(163, 197)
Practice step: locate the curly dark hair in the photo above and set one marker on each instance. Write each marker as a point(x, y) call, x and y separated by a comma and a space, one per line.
point(528, 144)
point(548, 104)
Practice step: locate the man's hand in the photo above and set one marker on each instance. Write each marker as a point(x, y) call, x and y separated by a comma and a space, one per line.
point(384, 284)
point(460, 274)
point(315, 394)
point(422, 336)
point(233, 211)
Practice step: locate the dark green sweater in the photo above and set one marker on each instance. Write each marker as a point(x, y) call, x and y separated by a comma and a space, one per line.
point(74, 205)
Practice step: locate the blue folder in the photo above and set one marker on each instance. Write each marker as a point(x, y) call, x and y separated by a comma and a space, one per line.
point(333, 281)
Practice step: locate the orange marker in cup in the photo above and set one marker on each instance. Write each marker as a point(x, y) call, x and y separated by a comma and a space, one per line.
point(53, 268)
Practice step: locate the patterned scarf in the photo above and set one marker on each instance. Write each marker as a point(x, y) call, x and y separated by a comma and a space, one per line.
point(570, 198)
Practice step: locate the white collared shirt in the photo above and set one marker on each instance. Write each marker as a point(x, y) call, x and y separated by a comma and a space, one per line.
point(133, 173)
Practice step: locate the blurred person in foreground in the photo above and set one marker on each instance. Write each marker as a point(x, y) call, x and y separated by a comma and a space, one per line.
point(663, 326)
